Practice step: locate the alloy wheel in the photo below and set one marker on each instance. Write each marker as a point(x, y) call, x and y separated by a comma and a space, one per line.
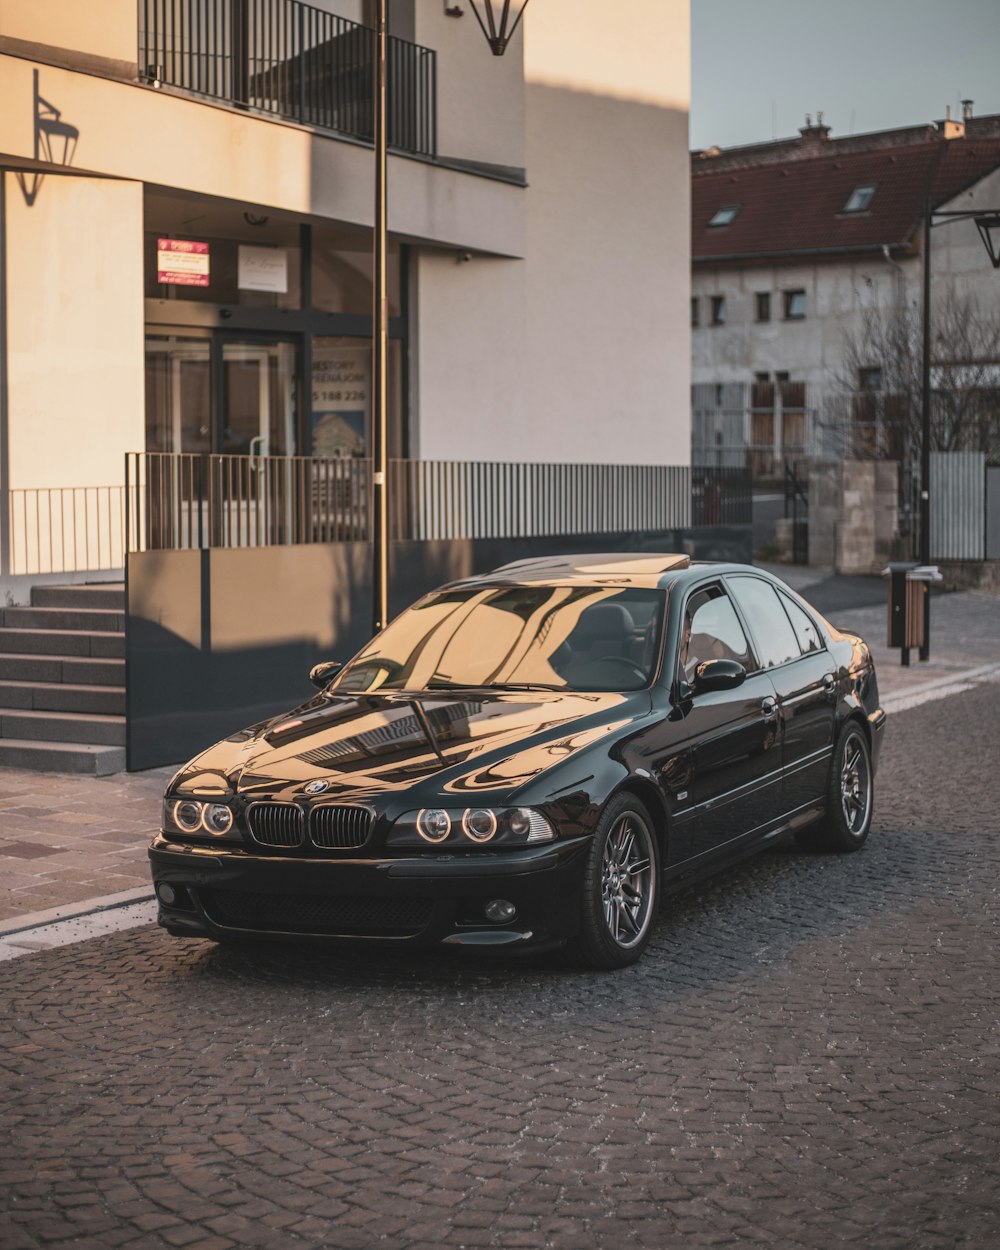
point(855, 784)
point(627, 882)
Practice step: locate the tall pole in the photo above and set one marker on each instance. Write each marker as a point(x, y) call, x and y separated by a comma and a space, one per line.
point(925, 440)
point(380, 337)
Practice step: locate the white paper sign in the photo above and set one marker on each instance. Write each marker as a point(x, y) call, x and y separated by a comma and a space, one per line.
point(263, 269)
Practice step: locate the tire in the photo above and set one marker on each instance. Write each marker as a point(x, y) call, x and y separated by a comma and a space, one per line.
point(621, 887)
point(850, 797)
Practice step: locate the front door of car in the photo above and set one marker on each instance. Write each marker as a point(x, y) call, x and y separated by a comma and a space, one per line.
point(790, 649)
point(716, 753)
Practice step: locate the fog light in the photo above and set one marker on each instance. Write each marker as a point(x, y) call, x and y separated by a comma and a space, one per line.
point(166, 894)
point(500, 910)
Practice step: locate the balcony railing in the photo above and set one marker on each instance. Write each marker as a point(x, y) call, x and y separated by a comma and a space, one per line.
point(291, 60)
point(193, 502)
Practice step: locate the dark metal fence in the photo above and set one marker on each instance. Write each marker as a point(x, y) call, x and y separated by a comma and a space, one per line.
point(184, 502)
point(290, 59)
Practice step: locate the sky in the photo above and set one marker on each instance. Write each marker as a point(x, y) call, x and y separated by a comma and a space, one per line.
point(758, 66)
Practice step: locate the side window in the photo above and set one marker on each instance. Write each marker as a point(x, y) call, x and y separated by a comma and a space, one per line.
point(771, 629)
point(805, 631)
point(712, 631)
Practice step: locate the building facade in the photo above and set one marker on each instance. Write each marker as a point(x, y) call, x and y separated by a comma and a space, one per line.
point(795, 244)
point(185, 244)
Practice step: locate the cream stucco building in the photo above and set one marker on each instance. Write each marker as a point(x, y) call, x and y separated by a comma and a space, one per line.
point(185, 229)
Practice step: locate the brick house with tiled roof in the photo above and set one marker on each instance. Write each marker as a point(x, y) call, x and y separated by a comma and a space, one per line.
point(792, 240)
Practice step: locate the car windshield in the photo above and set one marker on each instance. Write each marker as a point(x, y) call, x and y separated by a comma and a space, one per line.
point(586, 638)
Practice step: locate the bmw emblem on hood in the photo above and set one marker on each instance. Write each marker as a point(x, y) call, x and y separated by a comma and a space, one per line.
point(317, 787)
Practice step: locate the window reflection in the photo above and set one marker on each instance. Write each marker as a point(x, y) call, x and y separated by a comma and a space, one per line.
point(525, 637)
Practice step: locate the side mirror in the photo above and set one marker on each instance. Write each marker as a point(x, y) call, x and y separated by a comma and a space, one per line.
point(718, 675)
point(322, 674)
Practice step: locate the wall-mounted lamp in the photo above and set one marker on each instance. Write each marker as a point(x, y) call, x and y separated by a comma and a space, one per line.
point(989, 231)
point(497, 26)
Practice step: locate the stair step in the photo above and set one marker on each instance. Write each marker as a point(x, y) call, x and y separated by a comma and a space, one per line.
point(101, 620)
point(96, 595)
point(61, 757)
point(62, 697)
point(75, 670)
point(48, 726)
point(61, 642)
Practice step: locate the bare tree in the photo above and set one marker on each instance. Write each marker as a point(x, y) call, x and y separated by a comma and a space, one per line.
point(878, 411)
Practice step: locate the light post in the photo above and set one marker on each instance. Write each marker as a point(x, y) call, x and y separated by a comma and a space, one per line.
point(498, 27)
point(988, 223)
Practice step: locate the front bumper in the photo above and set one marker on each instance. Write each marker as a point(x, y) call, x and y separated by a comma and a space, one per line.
point(420, 899)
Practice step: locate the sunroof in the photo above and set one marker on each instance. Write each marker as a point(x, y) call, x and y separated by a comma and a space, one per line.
point(725, 215)
point(860, 199)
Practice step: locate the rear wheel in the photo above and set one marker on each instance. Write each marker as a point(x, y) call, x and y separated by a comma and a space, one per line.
point(621, 887)
point(850, 795)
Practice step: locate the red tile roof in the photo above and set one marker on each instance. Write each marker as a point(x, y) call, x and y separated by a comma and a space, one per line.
point(797, 206)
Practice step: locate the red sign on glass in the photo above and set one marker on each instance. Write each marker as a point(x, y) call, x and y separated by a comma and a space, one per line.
point(181, 262)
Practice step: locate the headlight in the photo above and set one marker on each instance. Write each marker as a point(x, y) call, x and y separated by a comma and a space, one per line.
point(457, 828)
point(433, 824)
point(196, 819)
point(187, 815)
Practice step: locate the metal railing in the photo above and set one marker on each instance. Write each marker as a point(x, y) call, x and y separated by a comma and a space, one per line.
point(192, 502)
point(292, 60)
point(67, 529)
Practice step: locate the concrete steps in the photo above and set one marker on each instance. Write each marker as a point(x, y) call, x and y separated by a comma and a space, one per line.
point(62, 680)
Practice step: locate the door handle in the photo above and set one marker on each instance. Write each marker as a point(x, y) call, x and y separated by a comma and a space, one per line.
point(769, 708)
point(829, 683)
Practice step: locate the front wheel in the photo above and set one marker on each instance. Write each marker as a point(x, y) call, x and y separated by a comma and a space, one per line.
point(620, 888)
point(850, 795)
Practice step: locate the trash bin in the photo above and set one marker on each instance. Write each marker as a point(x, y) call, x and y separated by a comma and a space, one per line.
point(909, 615)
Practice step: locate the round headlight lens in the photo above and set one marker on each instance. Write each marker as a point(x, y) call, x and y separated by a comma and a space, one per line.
point(187, 815)
point(218, 818)
point(479, 824)
point(433, 824)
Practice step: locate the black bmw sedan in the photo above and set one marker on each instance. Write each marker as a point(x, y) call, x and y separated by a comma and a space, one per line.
point(530, 759)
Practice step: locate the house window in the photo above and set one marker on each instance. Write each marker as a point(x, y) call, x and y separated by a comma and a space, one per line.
point(795, 305)
point(870, 379)
point(694, 310)
point(726, 215)
point(718, 310)
point(860, 199)
point(763, 303)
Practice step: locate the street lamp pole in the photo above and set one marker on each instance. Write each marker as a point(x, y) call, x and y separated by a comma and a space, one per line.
point(498, 27)
point(380, 335)
point(925, 431)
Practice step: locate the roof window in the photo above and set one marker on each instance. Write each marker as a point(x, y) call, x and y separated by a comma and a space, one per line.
point(860, 199)
point(725, 215)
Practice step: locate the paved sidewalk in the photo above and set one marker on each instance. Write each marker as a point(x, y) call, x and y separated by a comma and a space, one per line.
point(67, 840)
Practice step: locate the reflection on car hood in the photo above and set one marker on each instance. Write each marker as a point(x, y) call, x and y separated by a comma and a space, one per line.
point(367, 744)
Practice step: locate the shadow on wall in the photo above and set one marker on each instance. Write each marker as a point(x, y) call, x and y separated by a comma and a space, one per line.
point(54, 143)
point(219, 639)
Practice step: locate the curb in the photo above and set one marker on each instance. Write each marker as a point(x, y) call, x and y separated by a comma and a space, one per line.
point(75, 911)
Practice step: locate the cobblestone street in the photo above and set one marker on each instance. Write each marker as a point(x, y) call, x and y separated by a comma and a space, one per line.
point(807, 1056)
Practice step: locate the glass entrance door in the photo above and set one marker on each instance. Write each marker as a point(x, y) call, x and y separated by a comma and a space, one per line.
point(259, 391)
point(216, 393)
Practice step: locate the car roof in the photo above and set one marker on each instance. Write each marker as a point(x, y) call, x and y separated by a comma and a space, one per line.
point(655, 570)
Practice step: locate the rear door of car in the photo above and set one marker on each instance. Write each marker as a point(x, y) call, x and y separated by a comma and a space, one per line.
point(790, 649)
point(716, 754)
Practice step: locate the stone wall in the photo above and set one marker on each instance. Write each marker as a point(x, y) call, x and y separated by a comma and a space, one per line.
point(853, 515)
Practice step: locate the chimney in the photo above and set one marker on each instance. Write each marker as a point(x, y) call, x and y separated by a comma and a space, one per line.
point(950, 129)
point(814, 136)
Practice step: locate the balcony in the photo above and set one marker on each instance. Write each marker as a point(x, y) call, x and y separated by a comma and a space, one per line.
point(289, 60)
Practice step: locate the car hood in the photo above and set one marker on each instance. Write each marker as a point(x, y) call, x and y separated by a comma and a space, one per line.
point(364, 745)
